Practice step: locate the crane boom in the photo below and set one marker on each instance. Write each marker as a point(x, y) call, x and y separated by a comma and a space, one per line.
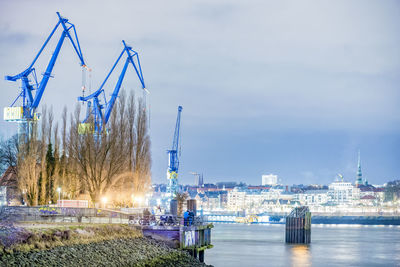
point(173, 159)
point(30, 101)
point(95, 107)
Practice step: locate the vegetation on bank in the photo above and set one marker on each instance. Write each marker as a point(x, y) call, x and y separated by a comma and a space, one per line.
point(88, 245)
point(117, 252)
point(34, 237)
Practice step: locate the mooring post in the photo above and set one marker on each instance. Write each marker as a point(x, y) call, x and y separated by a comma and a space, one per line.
point(201, 255)
point(298, 226)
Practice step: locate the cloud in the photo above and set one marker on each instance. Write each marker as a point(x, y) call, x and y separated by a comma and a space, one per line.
point(242, 66)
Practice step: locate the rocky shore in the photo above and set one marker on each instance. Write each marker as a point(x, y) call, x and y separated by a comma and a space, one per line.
point(105, 245)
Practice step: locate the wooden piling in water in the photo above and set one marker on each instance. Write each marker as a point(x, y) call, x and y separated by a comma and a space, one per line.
point(298, 226)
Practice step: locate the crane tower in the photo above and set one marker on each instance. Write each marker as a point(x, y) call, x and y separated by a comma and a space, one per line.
point(173, 159)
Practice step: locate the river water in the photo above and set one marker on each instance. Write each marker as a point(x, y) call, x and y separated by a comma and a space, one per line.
point(331, 245)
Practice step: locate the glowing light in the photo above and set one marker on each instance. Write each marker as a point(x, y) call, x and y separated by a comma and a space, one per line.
point(104, 200)
point(138, 199)
point(59, 189)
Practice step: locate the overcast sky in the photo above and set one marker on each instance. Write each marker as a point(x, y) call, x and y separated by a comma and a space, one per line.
point(293, 88)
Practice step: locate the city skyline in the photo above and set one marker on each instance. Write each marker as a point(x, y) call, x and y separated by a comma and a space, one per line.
point(284, 88)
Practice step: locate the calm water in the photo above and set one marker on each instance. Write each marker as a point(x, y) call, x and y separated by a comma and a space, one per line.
point(331, 245)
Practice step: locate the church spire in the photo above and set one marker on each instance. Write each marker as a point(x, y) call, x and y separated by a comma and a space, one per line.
point(359, 179)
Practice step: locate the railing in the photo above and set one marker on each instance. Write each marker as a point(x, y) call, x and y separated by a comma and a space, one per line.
point(91, 215)
point(165, 220)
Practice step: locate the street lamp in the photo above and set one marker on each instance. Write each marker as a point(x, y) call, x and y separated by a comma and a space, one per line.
point(104, 200)
point(59, 195)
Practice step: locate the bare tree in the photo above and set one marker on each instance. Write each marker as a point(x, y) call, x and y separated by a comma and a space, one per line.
point(118, 158)
point(101, 158)
point(57, 178)
point(8, 153)
point(71, 174)
point(62, 164)
point(28, 168)
point(181, 198)
point(42, 175)
point(131, 121)
point(142, 154)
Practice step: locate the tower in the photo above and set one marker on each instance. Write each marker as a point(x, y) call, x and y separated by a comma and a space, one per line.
point(359, 179)
point(199, 180)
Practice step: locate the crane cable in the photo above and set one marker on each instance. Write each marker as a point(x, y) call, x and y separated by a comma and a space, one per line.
point(84, 68)
point(83, 81)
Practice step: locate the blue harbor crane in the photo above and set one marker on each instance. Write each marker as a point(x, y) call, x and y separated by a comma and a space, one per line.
point(98, 114)
point(173, 160)
point(31, 89)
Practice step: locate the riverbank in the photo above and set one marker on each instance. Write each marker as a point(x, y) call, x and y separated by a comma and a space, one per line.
point(88, 245)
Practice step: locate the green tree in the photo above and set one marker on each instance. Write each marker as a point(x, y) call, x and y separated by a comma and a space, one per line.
point(50, 166)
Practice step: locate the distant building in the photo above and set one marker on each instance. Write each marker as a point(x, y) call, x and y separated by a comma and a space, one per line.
point(236, 199)
point(273, 193)
point(258, 187)
point(212, 200)
point(313, 197)
point(199, 180)
point(226, 185)
point(368, 200)
point(10, 195)
point(341, 192)
point(269, 179)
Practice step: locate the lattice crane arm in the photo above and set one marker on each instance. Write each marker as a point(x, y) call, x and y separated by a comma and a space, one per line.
point(31, 101)
point(95, 108)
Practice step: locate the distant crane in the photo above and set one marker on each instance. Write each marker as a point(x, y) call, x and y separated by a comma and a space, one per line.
point(199, 181)
point(173, 159)
point(31, 93)
point(101, 112)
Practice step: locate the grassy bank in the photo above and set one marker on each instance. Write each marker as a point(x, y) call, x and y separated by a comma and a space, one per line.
point(89, 245)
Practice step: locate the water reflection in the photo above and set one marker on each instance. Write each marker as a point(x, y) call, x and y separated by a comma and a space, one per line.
point(299, 255)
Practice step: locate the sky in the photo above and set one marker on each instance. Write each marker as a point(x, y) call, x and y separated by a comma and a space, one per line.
point(293, 88)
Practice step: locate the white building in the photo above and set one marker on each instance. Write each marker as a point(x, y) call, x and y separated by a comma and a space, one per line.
point(343, 192)
point(236, 199)
point(273, 193)
point(253, 200)
point(269, 179)
point(313, 197)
